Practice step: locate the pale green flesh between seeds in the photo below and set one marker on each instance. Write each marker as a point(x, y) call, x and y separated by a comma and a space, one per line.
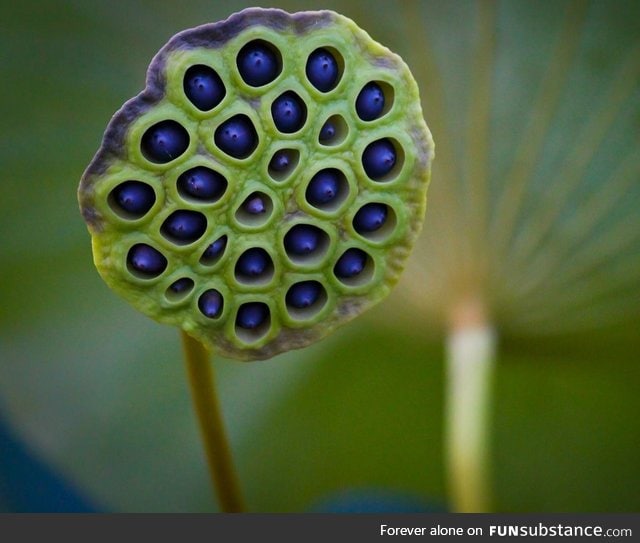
point(120, 159)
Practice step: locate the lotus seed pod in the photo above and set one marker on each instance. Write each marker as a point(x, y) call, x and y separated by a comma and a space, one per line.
point(266, 186)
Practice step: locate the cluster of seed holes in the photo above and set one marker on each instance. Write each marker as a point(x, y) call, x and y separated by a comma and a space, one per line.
point(327, 190)
point(255, 210)
point(334, 131)
point(201, 185)
point(259, 63)
point(375, 221)
point(305, 244)
point(283, 163)
point(382, 159)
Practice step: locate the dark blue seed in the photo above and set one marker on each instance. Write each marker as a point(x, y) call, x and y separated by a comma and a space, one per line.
point(370, 102)
point(211, 303)
point(370, 217)
point(203, 87)
point(254, 204)
point(289, 112)
point(323, 187)
point(237, 136)
point(202, 183)
point(303, 294)
point(302, 239)
point(351, 263)
point(146, 260)
point(184, 226)
point(258, 63)
point(251, 315)
point(253, 263)
point(134, 197)
point(322, 70)
point(328, 131)
point(214, 250)
point(281, 160)
point(164, 141)
point(181, 286)
point(379, 158)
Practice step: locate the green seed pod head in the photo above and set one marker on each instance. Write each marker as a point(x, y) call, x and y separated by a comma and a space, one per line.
point(253, 196)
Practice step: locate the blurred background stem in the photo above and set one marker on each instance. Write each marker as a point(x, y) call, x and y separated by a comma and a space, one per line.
point(207, 407)
point(470, 364)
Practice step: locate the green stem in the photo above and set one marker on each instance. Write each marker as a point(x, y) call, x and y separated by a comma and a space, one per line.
point(207, 407)
point(470, 364)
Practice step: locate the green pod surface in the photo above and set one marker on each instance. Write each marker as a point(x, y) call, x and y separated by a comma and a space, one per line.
point(120, 159)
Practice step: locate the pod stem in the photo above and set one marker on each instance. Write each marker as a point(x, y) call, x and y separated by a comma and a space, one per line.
point(471, 347)
point(207, 407)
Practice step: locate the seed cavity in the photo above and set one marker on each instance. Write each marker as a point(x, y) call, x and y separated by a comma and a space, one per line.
point(382, 159)
point(374, 100)
point(305, 299)
point(211, 303)
point(333, 131)
point(164, 141)
point(179, 289)
point(324, 68)
point(327, 190)
point(203, 87)
point(370, 217)
point(354, 267)
point(145, 262)
point(214, 251)
point(259, 63)
point(256, 210)
point(254, 267)
point(306, 243)
point(184, 226)
point(131, 200)
point(253, 321)
point(375, 222)
point(283, 163)
point(289, 112)
point(202, 184)
point(236, 137)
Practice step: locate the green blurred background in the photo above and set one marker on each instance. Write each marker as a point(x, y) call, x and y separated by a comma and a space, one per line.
point(533, 210)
